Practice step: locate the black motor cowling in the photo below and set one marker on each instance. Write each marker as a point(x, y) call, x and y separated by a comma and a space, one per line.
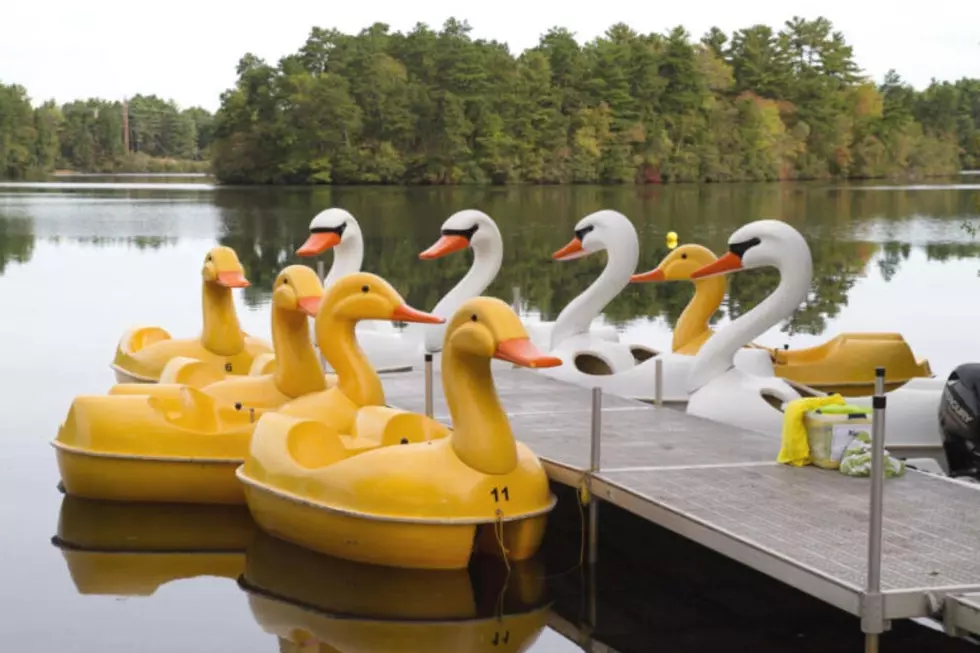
point(959, 420)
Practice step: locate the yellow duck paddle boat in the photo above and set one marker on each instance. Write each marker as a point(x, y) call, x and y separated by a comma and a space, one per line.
point(844, 364)
point(186, 446)
point(142, 352)
point(313, 602)
point(132, 549)
point(428, 502)
point(292, 371)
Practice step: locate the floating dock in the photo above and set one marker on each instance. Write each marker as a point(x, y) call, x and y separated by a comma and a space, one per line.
point(721, 486)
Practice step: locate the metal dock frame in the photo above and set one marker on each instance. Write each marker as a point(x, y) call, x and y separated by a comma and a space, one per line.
point(720, 486)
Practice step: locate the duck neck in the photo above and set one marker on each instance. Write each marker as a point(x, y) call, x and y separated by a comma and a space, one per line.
point(576, 318)
point(717, 356)
point(347, 259)
point(693, 322)
point(222, 334)
point(298, 370)
point(482, 437)
point(355, 376)
point(487, 258)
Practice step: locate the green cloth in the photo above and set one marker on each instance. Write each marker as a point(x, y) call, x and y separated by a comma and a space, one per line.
point(856, 460)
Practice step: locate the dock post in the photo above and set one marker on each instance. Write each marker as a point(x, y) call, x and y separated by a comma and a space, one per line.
point(658, 367)
point(428, 385)
point(872, 610)
point(516, 299)
point(593, 469)
point(594, 505)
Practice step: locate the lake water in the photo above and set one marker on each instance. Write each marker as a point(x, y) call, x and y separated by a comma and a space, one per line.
point(81, 261)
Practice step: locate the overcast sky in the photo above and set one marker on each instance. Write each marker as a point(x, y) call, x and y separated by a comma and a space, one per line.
point(186, 50)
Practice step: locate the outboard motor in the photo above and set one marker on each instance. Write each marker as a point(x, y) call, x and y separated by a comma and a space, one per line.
point(959, 420)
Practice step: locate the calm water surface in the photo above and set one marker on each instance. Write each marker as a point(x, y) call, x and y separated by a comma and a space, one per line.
point(81, 261)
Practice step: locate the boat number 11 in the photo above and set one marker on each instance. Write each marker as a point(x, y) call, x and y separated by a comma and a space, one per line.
point(497, 493)
point(497, 639)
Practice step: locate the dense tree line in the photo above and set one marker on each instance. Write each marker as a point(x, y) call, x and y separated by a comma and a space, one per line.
point(88, 135)
point(439, 107)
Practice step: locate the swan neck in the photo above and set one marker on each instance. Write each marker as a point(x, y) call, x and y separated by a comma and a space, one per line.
point(298, 370)
point(222, 333)
point(356, 377)
point(487, 259)
point(576, 318)
point(482, 437)
point(717, 356)
point(348, 257)
point(694, 320)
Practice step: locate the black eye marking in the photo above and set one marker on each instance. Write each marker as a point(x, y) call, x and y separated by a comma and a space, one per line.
point(330, 230)
point(683, 255)
point(580, 233)
point(739, 249)
point(285, 282)
point(473, 317)
point(365, 289)
point(465, 233)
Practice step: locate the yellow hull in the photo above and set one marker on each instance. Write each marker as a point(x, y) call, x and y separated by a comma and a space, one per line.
point(846, 363)
point(408, 543)
point(116, 477)
point(129, 549)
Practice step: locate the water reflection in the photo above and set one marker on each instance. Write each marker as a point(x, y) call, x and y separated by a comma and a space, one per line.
point(132, 549)
point(317, 603)
point(851, 232)
point(16, 241)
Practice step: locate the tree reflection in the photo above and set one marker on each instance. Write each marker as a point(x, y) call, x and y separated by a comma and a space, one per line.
point(16, 241)
point(266, 226)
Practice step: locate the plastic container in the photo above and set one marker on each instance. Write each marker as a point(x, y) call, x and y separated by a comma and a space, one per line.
point(830, 429)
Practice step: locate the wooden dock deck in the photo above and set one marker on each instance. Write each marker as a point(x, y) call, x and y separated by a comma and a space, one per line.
point(721, 486)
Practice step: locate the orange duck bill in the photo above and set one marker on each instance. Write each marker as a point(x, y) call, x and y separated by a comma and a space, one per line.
point(573, 249)
point(656, 274)
point(727, 263)
point(521, 351)
point(309, 305)
point(445, 245)
point(405, 313)
point(319, 242)
point(233, 280)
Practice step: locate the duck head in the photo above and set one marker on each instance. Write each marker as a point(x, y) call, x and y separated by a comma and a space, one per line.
point(486, 327)
point(298, 289)
point(595, 232)
point(222, 267)
point(679, 265)
point(759, 244)
point(366, 296)
point(467, 228)
point(330, 228)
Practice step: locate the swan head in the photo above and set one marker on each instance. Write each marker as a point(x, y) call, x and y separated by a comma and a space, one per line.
point(466, 228)
point(330, 228)
point(759, 244)
point(486, 327)
point(366, 296)
point(598, 231)
point(222, 268)
point(297, 289)
point(679, 265)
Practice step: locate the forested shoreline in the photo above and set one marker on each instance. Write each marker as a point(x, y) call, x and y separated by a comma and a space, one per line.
point(440, 107)
point(89, 136)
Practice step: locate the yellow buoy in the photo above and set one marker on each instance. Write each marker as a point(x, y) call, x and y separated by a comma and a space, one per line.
point(671, 239)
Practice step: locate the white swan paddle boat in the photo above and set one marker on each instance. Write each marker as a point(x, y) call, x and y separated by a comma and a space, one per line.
point(723, 392)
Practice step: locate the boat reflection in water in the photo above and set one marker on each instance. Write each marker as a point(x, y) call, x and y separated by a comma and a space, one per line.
point(131, 549)
point(316, 603)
